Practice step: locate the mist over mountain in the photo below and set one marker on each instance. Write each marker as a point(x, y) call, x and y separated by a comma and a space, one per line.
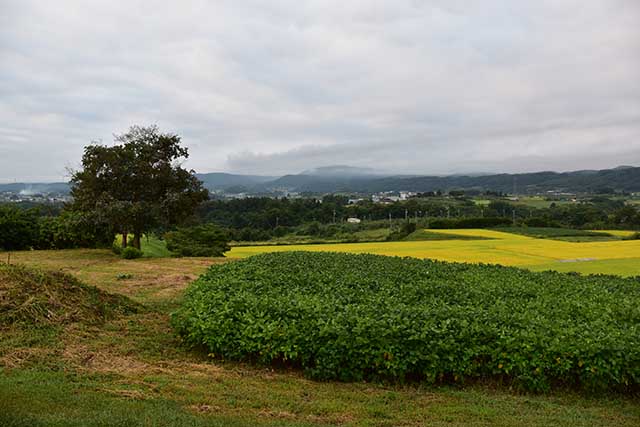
point(343, 171)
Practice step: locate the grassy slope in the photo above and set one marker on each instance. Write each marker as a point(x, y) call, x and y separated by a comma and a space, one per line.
point(132, 371)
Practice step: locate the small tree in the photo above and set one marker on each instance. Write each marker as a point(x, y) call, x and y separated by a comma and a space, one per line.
point(138, 184)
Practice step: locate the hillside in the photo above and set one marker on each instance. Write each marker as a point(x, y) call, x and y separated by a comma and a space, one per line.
point(621, 179)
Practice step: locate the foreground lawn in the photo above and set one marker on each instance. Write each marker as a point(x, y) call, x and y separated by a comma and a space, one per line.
point(133, 371)
point(494, 247)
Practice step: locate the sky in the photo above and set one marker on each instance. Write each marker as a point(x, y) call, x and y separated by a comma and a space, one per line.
point(281, 86)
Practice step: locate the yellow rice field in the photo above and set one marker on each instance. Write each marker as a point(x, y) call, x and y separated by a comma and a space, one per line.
point(610, 257)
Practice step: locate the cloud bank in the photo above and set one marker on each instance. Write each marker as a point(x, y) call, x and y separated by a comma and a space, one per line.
point(281, 86)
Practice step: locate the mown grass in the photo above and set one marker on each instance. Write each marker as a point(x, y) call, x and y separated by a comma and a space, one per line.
point(133, 371)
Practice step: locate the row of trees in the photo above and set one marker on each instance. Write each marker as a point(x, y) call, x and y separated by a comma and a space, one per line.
point(266, 214)
point(28, 229)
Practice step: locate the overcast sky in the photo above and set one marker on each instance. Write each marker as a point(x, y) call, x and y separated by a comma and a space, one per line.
point(280, 86)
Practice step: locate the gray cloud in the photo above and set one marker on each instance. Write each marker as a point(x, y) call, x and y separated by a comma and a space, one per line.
point(282, 86)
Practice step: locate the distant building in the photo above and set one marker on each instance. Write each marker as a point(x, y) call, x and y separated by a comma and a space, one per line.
point(354, 220)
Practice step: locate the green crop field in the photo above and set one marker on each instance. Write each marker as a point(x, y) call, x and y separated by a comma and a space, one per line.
point(354, 317)
point(620, 257)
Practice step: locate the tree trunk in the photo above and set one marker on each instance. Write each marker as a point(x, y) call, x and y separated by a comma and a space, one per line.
point(124, 240)
point(136, 240)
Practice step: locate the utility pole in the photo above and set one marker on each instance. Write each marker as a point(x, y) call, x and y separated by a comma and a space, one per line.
point(389, 219)
point(514, 217)
point(448, 212)
point(334, 216)
point(406, 215)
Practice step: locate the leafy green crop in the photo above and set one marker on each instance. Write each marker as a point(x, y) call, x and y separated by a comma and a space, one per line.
point(354, 317)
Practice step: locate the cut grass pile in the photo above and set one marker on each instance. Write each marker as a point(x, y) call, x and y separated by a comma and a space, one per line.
point(31, 297)
point(355, 317)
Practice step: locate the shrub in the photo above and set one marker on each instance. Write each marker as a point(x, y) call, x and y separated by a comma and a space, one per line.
point(73, 230)
point(203, 240)
point(18, 228)
point(354, 317)
point(131, 253)
point(116, 248)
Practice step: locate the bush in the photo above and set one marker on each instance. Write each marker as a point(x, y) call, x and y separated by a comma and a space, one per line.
point(355, 317)
point(18, 228)
point(206, 240)
point(116, 248)
point(131, 253)
point(72, 230)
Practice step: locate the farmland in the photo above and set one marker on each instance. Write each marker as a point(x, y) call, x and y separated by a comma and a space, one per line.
point(345, 316)
point(132, 370)
point(608, 257)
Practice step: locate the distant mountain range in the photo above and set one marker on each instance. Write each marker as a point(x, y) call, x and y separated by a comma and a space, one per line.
point(334, 179)
point(341, 179)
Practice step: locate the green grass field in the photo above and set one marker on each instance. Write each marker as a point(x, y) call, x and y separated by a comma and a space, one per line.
point(620, 257)
point(133, 371)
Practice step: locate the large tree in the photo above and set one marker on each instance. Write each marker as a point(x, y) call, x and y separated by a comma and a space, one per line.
point(138, 184)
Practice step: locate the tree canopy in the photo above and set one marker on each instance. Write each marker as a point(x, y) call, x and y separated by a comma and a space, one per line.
point(138, 184)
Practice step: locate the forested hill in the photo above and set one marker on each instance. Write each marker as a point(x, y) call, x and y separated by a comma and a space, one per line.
point(623, 178)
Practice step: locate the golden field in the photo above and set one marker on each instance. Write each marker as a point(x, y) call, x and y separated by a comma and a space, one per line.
point(608, 257)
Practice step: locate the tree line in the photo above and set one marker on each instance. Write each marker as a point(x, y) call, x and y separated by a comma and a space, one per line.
point(138, 186)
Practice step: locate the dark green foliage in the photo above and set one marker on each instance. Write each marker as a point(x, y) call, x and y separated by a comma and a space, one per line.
point(469, 223)
point(202, 240)
point(73, 230)
point(138, 185)
point(131, 252)
point(405, 230)
point(18, 228)
point(34, 297)
point(25, 229)
point(541, 222)
point(355, 317)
